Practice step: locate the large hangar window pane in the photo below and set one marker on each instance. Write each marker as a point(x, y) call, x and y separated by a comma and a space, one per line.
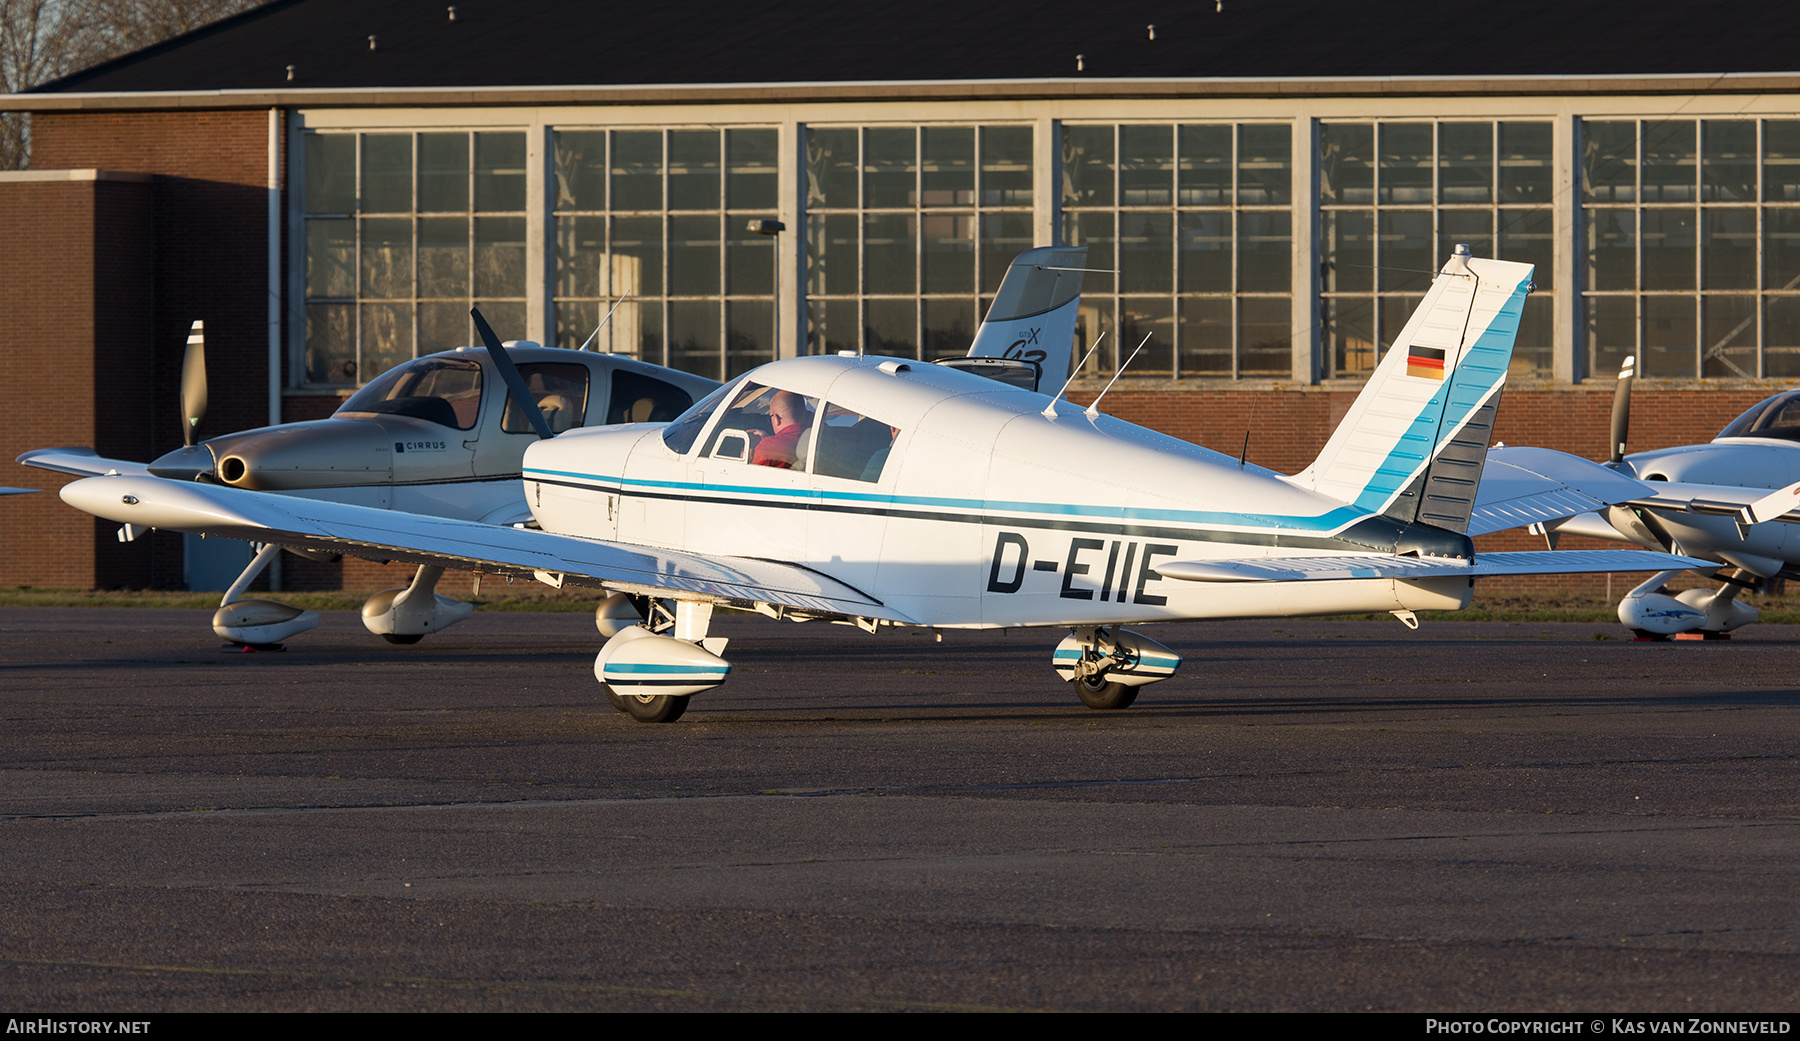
point(1087, 165)
point(500, 173)
point(751, 168)
point(499, 257)
point(1728, 169)
point(750, 335)
point(1612, 250)
point(1146, 165)
point(1466, 163)
point(1729, 248)
point(694, 256)
point(387, 173)
point(1728, 337)
point(637, 170)
point(1670, 161)
point(1347, 164)
point(1265, 335)
point(1006, 166)
point(749, 260)
point(1208, 170)
point(890, 252)
point(330, 258)
point(580, 257)
point(1004, 236)
point(1527, 171)
point(1205, 260)
point(444, 173)
point(694, 169)
point(947, 253)
point(1146, 252)
point(1405, 175)
point(331, 344)
point(1265, 165)
point(636, 258)
point(580, 170)
point(949, 328)
point(387, 258)
point(947, 173)
point(1781, 160)
point(833, 255)
point(386, 338)
point(832, 165)
point(1669, 336)
point(694, 337)
point(890, 167)
point(331, 173)
point(1608, 161)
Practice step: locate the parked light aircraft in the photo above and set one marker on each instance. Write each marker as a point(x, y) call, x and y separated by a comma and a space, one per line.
point(1712, 501)
point(436, 435)
point(882, 492)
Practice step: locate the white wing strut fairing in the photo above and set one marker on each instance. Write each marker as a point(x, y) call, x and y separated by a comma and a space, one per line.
point(374, 534)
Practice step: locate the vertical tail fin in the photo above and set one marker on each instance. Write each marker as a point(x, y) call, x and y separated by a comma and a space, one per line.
point(1414, 442)
point(1032, 318)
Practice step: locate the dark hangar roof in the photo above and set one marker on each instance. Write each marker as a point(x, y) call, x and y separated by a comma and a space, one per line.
point(545, 43)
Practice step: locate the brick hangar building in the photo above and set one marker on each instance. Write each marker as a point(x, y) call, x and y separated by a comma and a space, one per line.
point(330, 184)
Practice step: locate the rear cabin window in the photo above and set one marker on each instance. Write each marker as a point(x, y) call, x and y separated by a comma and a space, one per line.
point(637, 398)
point(852, 446)
point(561, 393)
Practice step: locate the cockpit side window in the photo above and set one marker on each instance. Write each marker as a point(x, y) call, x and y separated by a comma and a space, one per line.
point(765, 426)
point(561, 392)
point(445, 391)
point(852, 446)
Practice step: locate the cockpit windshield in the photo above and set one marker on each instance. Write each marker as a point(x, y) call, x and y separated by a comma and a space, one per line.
point(1777, 417)
point(446, 391)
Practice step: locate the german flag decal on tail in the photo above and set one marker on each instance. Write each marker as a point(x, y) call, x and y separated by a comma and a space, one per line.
point(1427, 362)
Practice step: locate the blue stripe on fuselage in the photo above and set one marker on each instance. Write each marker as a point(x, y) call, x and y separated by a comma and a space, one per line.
point(1326, 523)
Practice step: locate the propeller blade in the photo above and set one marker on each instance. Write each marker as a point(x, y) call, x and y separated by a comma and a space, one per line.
point(1621, 412)
point(193, 382)
point(515, 383)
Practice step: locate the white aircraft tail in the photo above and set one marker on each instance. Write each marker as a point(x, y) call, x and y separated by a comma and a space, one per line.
point(1415, 440)
point(1032, 318)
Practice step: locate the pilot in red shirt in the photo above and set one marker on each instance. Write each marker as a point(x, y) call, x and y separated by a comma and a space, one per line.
point(788, 418)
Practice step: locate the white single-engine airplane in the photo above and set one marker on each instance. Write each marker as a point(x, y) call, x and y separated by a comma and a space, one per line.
point(887, 492)
point(1735, 501)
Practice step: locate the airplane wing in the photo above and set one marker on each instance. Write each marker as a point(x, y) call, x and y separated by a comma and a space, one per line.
point(1380, 565)
point(385, 535)
point(83, 462)
point(1521, 486)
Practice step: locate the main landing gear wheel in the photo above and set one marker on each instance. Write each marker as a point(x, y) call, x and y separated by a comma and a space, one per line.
point(1098, 692)
point(654, 708)
point(403, 638)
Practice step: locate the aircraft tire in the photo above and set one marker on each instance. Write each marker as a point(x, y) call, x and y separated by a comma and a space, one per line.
point(1097, 692)
point(403, 638)
point(660, 708)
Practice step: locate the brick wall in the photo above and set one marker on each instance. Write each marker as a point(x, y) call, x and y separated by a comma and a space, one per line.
point(207, 244)
point(75, 286)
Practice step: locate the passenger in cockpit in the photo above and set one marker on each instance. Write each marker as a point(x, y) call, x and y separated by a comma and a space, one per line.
point(789, 420)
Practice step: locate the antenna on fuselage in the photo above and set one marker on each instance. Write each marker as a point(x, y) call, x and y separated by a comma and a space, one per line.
point(1093, 408)
point(603, 321)
point(1050, 409)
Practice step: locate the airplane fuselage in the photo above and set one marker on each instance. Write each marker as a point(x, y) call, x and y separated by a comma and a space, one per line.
point(986, 513)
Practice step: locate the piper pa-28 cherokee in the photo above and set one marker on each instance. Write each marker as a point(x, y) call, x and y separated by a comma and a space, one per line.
point(883, 492)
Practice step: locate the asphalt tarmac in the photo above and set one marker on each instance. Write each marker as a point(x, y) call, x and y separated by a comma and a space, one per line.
point(1311, 815)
